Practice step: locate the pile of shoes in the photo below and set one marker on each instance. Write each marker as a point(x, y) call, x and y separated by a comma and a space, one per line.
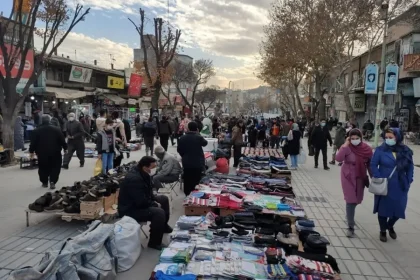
point(68, 198)
point(261, 152)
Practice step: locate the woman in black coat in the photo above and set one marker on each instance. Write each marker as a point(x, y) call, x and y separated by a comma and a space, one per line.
point(294, 146)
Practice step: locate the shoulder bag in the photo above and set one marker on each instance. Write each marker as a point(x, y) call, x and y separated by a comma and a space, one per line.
point(379, 186)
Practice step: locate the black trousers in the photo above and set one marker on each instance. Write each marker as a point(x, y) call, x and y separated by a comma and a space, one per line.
point(192, 177)
point(173, 139)
point(324, 156)
point(237, 152)
point(49, 168)
point(77, 146)
point(164, 139)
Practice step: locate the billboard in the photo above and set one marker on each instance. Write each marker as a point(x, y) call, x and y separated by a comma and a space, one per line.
point(371, 79)
point(391, 79)
point(115, 82)
point(134, 88)
point(27, 70)
point(80, 74)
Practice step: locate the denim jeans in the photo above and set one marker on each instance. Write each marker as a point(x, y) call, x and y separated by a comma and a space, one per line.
point(350, 213)
point(294, 160)
point(386, 223)
point(107, 162)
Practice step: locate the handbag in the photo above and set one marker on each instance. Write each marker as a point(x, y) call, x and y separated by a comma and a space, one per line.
point(379, 186)
point(290, 135)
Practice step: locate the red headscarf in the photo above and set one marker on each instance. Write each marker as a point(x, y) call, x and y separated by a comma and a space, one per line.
point(363, 154)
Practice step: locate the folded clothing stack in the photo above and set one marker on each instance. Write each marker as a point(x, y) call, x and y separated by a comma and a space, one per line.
point(173, 269)
point(304, 266)
point(304, 224)
point(316, 245)
point(180, 235)
point(189, 222)
point(278, 271)
point(176, 255)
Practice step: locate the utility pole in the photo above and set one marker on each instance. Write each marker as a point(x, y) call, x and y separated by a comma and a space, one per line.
point(379, 105)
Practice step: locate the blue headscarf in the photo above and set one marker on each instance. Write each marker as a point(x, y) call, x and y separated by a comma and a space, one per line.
point(404, 153)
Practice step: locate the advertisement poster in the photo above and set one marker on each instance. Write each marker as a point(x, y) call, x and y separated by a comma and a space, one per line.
point(80, 74)
point(391, 79)
point(134, 88)
point(115, 82)
point(371, 79)
point(27, 70)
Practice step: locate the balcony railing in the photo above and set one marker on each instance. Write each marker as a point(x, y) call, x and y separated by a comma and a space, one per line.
point(412, 62)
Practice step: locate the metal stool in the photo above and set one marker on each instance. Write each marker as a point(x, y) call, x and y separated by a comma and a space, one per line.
point(173, 185)
point(142, 224)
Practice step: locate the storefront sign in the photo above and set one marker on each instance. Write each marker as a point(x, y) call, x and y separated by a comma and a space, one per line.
point(134, 88)
point(27, 70)
point(391, 79)
point(371, 79)
point(357, 101)
point(80, 74)
point(115, 82)
point(339, 103)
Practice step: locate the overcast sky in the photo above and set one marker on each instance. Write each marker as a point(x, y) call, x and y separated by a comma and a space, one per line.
point(227, 31)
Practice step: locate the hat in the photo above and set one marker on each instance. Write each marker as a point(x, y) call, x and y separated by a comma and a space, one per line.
point(159, 150)
point(192, 126)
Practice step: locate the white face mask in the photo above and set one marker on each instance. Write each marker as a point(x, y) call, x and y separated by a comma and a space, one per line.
point(153, 171)
point(71, 119)
point(356, 142)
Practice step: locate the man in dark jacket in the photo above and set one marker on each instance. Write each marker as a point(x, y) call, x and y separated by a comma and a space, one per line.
point(383, 124)
point(164, 131)
point(190, 148)
point(47, 143)
point(75, 134)
point(149, 132)
point(199, 123)
point(137, 201)
point(340, 138)
point(320, 136)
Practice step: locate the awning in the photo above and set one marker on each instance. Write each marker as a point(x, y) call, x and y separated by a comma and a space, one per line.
point(65, 93)
point(115, 98)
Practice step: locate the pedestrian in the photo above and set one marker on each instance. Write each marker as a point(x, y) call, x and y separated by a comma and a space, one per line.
point(164, 132)
point(252, 133)
point(19, 135)
point(215, 128)
point(86, 127)
point(75, 141)
point(64, 127)
point(383, 124)
point(56, 120)
point(105, 145)
point(285, 128)
point(182, 127)
point(237, 142)
point(100, 122)
point(149, 133)
point(199, 123)
point(275, 131)
point(355, 156)
point(262, 131)
point(340, 138)
point(139, 125)
point(47, 141)
point(392, 160)
point(120, 126)
point(294, 145)
point(320, 138)
point(136, 200)
point(190, 148)
point(173, 126)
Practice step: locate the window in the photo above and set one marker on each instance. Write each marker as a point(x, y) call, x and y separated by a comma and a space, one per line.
point(416, 48)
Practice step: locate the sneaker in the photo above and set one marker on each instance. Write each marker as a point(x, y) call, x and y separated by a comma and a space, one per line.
point(52, 186)
point(65, 166)
point(92, 195)
point(35, 207)
point(316, 166)
point(332, 162)
point(82, 164)
point(327, 168)
point(392, 233)
point(382, 236)
point(44, 200)
point(56, 208)
point(44, 186)
point(340, 164)
point(56, 198)
point(74, 208)
point(350, 233)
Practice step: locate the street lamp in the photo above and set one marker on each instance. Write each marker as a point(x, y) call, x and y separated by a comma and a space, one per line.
point(384, 14)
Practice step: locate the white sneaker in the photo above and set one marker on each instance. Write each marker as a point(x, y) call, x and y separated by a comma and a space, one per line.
point(350, 233)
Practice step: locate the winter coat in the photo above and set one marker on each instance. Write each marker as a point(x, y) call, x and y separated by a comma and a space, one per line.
point(395, 202)
point(340, 137)
point(169, 166)
point(55, 122)
point(47, 140)
point(18, 136)
point(172, 125)
point(320, 137)
point(237, 139)
point(149, 129)
point(294, 145)
point(353, 188)
point(190, 148)
point(164, 128)
point(76, 130)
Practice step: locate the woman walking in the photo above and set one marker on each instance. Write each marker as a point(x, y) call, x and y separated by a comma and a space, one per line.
point(392, 160)
point(355, 156)
point(294, 146)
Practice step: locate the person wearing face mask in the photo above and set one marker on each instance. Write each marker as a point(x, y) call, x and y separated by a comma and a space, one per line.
point(392, 160)
point(340, 138)
point(105, 145)
point(319, 140)
point(169, 168)
point(136, 200)
point(75, 142)
point(238, 142)
point(355, 156)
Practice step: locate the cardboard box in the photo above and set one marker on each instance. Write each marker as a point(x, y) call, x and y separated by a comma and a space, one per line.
point(108, 202)
point(90, 209)
point(197, 211)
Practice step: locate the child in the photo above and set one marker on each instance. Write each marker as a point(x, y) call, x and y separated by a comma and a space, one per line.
point(105, 145)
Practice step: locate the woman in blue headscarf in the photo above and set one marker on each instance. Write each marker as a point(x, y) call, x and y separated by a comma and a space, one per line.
point(392, 154)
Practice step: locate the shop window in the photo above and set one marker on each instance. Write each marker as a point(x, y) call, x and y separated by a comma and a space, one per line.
point(416, 48)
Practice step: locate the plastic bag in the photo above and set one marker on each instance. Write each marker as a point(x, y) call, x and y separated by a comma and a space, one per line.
point(98, 167)
point(302, 157)
point(128, 242)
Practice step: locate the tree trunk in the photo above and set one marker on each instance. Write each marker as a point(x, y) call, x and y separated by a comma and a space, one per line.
point(350, 111)
point(8, 136)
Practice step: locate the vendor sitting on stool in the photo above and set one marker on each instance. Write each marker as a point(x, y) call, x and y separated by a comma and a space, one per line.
point(169, 168)
point(137, 201)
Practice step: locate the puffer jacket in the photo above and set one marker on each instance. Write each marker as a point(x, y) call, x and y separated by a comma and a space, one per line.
point(237, 139)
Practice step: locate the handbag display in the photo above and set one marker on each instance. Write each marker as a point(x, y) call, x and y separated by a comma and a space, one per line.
point(379, 186)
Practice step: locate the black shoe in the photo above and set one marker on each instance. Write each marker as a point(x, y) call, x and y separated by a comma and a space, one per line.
point(332, 162)
point(44, 185)
point(327, 168)
point(82, 164)
point(73, 208)
point(36, 207)
point(65, 166)
point(52, 186)
point(340, 164)
point(382, 236)
point(56, 208)
point(157, 247)
point(392, 233)
point(56, 198)
point(168, 229)
point(92, 195)
point(316, 166)
point(24, 149)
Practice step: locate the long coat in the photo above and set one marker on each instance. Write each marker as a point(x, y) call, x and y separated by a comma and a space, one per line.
point(395, 202)
point(294, 145)
point(320, 137)
point(353, 188)
point(18, 136)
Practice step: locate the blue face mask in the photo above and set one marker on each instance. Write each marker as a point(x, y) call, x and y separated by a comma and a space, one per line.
point(390, 142)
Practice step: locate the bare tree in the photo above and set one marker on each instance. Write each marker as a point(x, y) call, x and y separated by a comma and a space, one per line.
point(16, 46)
point(156, 65)
point(208, 97)
point(196, 75)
